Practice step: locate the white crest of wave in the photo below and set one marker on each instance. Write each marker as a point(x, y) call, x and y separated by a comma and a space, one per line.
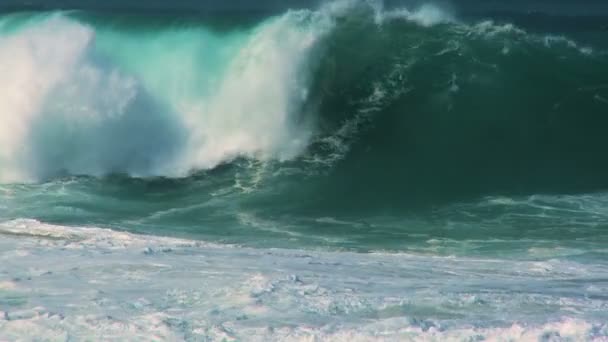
point(66, 111)
point(31, 65)
point(256, 109)
point(65, 108)
point(426, 15)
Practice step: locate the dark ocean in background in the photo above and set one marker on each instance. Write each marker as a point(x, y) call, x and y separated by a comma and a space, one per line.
point(471, 131)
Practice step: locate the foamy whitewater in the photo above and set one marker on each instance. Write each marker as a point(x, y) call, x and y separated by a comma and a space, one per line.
point(349, 172)
point(63, 86)
point(86, 283)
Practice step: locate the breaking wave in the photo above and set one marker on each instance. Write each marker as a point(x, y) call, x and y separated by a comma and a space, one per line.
point(392, 104)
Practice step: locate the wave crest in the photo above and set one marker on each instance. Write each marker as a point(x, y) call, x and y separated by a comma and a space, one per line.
point(75, 103)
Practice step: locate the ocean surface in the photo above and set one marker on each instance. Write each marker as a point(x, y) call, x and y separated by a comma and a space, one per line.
point(347, 170)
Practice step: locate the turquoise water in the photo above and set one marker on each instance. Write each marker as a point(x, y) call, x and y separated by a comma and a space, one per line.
point(432, 177)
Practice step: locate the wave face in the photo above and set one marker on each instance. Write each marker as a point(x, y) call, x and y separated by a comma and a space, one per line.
point(370, 105)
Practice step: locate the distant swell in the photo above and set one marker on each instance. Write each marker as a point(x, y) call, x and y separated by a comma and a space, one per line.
point(373, 106)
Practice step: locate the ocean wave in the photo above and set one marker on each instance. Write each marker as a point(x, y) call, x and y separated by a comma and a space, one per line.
point(402, 104)
point(82, 100)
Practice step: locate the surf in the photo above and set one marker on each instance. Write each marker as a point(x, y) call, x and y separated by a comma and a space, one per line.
point(341, 94)
point(94, 101)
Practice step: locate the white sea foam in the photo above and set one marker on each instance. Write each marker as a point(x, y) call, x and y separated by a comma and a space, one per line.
point(66, 106)
point(91, 283)
point(64, 111)
point(426, 15)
